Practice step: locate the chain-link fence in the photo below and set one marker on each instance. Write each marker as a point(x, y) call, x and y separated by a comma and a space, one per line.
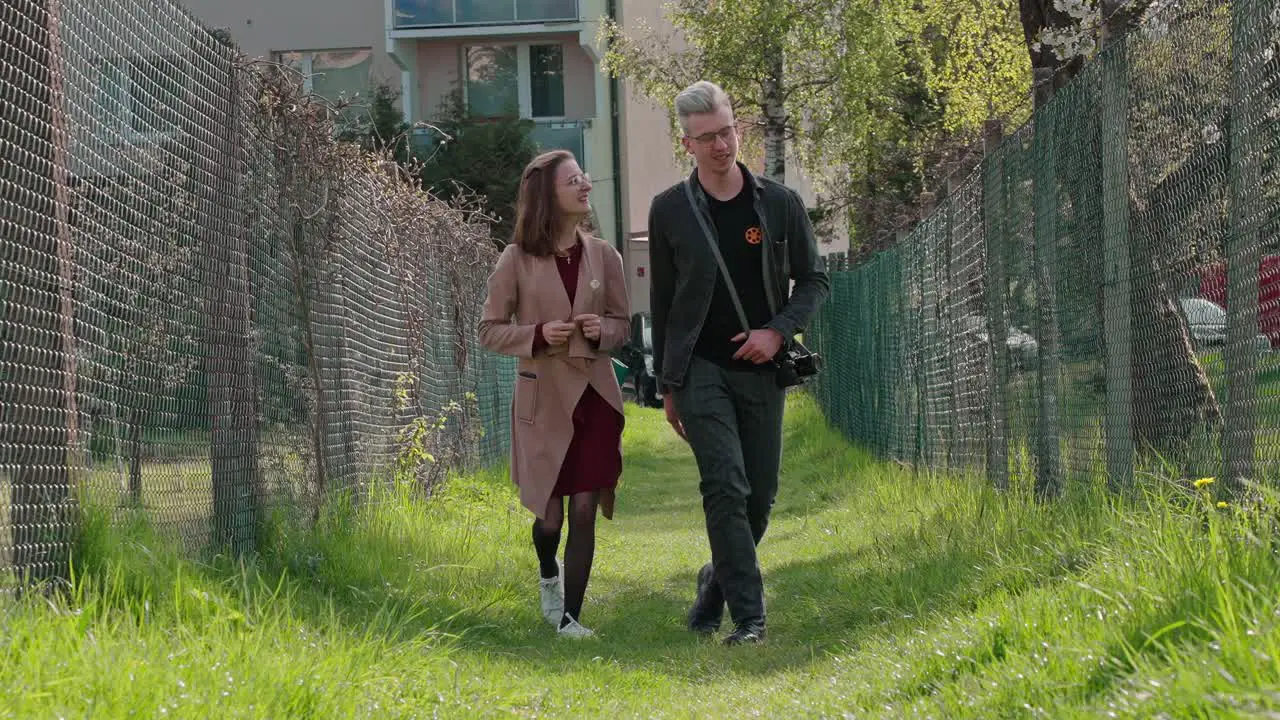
point(1102, 296)
point(207, 305)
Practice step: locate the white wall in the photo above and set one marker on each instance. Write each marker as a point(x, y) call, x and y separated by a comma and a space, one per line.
point(649, 165)
point(261, 27)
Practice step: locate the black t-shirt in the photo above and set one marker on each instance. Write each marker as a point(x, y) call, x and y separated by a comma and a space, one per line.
point(741, 243)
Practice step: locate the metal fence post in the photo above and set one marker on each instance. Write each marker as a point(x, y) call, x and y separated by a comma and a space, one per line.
point(1049, 453)
point(1116, 319)
point(38, 389)
point(1251, 29)
point(233, 452)
point(994, 210)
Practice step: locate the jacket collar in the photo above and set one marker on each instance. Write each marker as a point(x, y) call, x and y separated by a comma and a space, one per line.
point(748, 177)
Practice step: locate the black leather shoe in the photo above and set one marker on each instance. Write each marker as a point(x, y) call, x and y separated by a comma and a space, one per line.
point(705, 618)
point(750, 634)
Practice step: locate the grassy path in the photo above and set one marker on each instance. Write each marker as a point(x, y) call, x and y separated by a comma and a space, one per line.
point(890, 595)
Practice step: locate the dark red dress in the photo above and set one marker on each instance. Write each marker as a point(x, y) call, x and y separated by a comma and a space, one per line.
point(594, 459)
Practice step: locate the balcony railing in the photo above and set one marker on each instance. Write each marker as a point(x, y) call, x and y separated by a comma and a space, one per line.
point(547, 134)
point(560, 136)
point(450, 13)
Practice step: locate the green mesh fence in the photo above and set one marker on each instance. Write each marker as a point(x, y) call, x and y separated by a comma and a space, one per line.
point(1101, 297)
point(208, 307)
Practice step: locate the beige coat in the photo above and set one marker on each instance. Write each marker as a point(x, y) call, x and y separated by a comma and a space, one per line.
point(548, 387)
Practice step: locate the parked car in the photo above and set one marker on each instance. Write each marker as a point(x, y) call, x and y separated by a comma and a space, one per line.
point(638, 356)
point(1207, 325)
point(1023, 348)
point(1213, 287)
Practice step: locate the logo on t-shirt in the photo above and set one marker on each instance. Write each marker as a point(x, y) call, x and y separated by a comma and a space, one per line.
point(754, 236)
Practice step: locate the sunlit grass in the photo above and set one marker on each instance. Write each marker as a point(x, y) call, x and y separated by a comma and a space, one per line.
point(890, 594)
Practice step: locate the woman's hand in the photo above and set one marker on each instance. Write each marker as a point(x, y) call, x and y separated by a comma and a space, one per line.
point(556, 332)
point(590, 326)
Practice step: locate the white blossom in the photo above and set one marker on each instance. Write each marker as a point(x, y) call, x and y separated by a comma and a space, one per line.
point(1077, 40)
point(1211, 134)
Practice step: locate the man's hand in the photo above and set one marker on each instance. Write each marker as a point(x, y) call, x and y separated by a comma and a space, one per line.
point(759, 347)
point(590, 325)
point(673, 417)
point(556, 332)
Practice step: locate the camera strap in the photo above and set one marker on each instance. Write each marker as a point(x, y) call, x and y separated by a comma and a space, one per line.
point(715, 250)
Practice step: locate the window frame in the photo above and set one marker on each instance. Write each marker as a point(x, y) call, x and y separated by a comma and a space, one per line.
point(306, 65)
point(524, 78)
point(527, 77)
point(119, 94)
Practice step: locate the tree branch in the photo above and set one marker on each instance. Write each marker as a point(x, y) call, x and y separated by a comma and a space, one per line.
point(794, 87)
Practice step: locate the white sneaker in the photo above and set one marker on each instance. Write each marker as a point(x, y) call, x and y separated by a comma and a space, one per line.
point(574, 630)
point(552, 592)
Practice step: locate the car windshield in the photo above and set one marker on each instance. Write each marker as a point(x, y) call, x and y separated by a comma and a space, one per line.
point(1204, 312)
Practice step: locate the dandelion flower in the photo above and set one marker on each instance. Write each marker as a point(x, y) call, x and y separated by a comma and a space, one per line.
point(1222, 503)
point(1204, 482)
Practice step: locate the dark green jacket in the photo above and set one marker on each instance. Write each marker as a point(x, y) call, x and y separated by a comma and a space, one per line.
point(684, 271)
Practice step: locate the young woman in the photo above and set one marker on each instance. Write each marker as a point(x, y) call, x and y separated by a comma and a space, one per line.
point(558, 301)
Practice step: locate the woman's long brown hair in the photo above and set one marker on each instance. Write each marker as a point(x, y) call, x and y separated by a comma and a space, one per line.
point(538, 215)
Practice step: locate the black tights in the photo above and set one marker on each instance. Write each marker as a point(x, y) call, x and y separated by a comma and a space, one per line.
point(578, 552)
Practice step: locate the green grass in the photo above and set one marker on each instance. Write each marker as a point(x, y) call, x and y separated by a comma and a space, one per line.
point(890, 595)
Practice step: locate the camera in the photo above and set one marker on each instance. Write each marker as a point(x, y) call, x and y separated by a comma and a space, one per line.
point(796, 364)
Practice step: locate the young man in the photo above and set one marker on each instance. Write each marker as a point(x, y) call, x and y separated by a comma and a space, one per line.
point(720, 387)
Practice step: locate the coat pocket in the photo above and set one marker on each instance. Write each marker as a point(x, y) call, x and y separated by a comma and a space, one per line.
point(526, 397)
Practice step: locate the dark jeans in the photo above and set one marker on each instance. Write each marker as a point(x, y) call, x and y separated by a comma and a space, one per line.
point(734, 423)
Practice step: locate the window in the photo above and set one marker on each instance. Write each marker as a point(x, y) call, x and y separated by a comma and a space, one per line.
point(542, 10)
point(339, 73)
point(140, 95)
point(524, 80)
point(423, 13)
point(483, 11)
point(546, 80)
point(493, 87)
point(435, 13)
point(332, 74)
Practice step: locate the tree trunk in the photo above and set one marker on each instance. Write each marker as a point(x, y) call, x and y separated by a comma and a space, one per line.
point(137, 418)
point(117, 443)
point(1171, 393)
point(37, 344)
point(303, 284)
point(775, 120)
point(1049, 481)
point(1048, 72)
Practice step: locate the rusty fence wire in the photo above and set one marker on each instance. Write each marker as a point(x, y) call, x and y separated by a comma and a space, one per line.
point(207, 305)
point(1101, 297)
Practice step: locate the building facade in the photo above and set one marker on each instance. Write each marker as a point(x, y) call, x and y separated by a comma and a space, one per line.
point(536, 58)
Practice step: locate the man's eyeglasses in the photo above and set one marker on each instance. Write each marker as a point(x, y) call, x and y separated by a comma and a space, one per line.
point(725, 134)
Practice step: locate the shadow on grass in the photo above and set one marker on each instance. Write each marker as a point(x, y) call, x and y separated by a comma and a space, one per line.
point(370, 573)
point(818, 606)
point(660, 479)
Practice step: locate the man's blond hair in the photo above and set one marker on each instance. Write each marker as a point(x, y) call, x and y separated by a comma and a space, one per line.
point(700, 98)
